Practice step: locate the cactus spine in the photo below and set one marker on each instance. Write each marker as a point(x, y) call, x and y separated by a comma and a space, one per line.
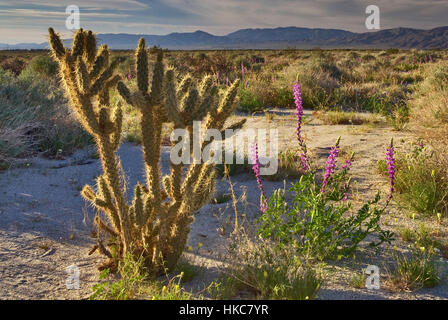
point(156, 223)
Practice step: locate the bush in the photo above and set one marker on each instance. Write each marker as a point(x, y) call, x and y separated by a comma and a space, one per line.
point(420, 181)
point(289, 165)
point(429, 111)
point(392, 51)
point(15, 65)
point(269, 271)
point(417, 271)
point(135, 283)
point(34, 118)
point(44, 66)
point(320, 222)
point(338, 117)
point(248, 102)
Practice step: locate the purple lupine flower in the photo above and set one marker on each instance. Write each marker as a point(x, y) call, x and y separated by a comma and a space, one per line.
point(227, 81)
point(430, 59)
point(242, 70)
point(256, 169)
point(346, 165)
point(304, 161)
point(299, 110)
point(348, 162)
point(331, 164)
point(390, 160)
point(299, 113)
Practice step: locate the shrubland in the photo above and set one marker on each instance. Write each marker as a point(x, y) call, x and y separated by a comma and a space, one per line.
point(316, 223)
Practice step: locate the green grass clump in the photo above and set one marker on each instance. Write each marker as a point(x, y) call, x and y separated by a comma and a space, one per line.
point(135, 283)
point(43, 66)
point(423, 237)
point(358, 280)
point(269, 272)
point(420, 181)
point(34, 117)
point(419, 270)
point(186, 270)
point(289, 165)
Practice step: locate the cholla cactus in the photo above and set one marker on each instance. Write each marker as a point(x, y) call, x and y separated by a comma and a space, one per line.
point(156, 223)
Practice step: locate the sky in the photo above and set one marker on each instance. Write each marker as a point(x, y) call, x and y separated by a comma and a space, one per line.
point(28, 20)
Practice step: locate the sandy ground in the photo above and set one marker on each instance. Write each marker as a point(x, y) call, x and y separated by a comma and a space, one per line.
point(45, 225)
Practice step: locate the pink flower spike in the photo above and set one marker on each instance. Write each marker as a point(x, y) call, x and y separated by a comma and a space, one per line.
point(256, 169)
point(390, 161)
point(331, 164)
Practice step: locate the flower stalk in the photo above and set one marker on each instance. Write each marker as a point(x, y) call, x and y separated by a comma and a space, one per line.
point(256, 169)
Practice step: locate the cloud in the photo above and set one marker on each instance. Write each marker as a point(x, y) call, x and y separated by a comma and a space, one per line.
point(341, 14)
point(44, 14)
point(127, 5)
point(216, 16)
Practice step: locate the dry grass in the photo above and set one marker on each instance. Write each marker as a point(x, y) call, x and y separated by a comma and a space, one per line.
point(346, 118)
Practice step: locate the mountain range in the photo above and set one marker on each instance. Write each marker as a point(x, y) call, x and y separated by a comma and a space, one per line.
point(275, 38)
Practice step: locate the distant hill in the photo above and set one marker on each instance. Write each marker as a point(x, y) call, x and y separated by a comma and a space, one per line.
point(276, 38)
point(405, 38)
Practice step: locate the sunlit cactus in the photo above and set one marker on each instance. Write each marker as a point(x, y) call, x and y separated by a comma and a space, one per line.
point(156, 223)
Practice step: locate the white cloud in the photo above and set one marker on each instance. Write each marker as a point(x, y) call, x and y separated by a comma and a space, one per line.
point(46, 13)
point(82, 4)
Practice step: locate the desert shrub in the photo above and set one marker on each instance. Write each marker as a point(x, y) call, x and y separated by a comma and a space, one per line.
point(319, 81)
point(127, 67)
point(269, 271)
point(263, 92)
point(420, 183)
point(44, 66)
point(438, 77)
point(133, 274)
point(419, 270)
point(368, 57)
point(392, 51)
point(15, 65)
point(249, 102)
point(353, 55)
point(135, 283)
point(233, 168)
point(289, 165)
point(317, 222)
point(358, 280)
point(33, 118)
point(424, 237)
point(429, 111)
point(186, 271)
point(339, 117)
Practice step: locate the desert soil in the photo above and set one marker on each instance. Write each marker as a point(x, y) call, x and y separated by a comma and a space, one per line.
point(45, 225)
